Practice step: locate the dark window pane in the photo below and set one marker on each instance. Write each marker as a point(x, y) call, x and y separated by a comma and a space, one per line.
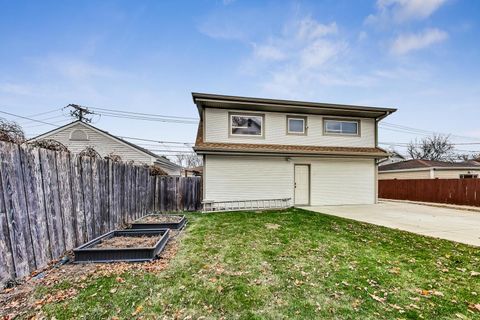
point(249, 125)
point(333, 126)
point(342, 127)
point(296, 125)
point(350, 127)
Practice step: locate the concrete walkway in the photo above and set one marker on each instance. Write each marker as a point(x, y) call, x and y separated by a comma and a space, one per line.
point(446, 223)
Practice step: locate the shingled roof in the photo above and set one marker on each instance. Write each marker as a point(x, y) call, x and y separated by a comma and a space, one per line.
point(427, 164)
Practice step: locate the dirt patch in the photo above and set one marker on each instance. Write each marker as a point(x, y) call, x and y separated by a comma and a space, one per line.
point(22, 302)
point(127, 242)
point(160, 218)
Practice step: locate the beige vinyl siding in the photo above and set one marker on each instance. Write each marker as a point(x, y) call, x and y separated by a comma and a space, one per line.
point(453, 174)
point(247, 178)
point(332, 181)
point(217, 130)
point(424, 174)
point(343, 181)
point(101, 143)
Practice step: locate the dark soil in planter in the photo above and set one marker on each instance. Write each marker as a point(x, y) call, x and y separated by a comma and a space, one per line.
point(128, 242)
point(123, 245)
point(154, 221)
point(160, 218)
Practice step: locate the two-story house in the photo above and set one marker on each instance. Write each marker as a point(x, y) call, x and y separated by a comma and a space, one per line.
point(313, 153)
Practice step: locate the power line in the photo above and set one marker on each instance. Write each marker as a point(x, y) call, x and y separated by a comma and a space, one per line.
point(56, 123)
point(27, 118)
point(453, 143)
point(114, 115)
point(43, 119)
point(46, 112)
point(420, 131)
point(158, 141)
point(145, 114)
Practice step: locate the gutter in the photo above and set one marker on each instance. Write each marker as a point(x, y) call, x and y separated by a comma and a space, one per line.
point(377, 121)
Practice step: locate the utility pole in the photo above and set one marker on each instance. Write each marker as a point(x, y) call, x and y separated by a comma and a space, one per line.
point(80, 112)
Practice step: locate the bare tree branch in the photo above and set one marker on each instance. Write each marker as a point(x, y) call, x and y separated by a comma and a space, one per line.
point(437, 147)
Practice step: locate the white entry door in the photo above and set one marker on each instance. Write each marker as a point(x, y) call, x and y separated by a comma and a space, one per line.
point(302, 184)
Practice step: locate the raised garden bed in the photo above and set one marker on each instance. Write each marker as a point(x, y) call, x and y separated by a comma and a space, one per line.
point(154, 221)
point(123, 245)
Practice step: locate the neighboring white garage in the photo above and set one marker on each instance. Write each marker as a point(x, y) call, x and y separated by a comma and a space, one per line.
point(328, 181)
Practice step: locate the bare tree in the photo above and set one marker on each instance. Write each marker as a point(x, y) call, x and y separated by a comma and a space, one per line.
point(11, 131)
point(437, 147)
point(188, 160)
point(468, 156)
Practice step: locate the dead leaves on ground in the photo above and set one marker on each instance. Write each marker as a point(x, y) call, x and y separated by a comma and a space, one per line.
point(20, 300)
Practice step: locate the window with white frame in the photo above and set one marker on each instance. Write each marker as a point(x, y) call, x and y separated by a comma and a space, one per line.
point(246, 124)
point(342, 127)
point(296, 125)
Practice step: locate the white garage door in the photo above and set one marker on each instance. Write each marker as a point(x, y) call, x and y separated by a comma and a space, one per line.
point(343, 181)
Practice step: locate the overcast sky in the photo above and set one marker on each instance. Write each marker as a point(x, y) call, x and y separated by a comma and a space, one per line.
point(420, 56)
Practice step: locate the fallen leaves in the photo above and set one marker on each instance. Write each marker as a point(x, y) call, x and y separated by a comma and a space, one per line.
point(377, 298)
point(137, 310)
point(394, 270)
point(474, 307)
point(19, 300)
point(272, 226)
point(427, 293)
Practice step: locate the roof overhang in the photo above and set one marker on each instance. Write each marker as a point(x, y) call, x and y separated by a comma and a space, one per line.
point(292, 153)
point(206, 100)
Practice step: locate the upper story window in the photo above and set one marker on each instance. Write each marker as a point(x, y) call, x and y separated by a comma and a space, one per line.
point(341, 127)
point(246, 124)
point(78, 135)
point(296, 125)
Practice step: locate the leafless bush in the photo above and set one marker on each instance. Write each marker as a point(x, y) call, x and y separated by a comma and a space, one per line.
point(89, 152)
point(49, 144)
point(113, 157)
point(157, 171)
point(187, 160)
point(11, 131)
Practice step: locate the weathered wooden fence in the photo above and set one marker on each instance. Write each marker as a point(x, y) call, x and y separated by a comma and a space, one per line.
point(451, 191)
point(51, 202)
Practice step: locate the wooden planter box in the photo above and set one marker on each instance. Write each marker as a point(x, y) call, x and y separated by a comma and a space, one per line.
point(87, 253)
point(164, 225)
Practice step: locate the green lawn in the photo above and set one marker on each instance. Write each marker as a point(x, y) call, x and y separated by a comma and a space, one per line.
point(291, 264)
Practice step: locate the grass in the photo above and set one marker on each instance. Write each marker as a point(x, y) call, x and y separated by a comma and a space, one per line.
point(291, 264)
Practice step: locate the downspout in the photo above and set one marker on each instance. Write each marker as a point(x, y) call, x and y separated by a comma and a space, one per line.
point(377, 120)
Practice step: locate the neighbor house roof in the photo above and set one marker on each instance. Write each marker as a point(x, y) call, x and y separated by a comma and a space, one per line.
point(416, 164)
point(203, 147)
point(158, 158)
point(208, 100)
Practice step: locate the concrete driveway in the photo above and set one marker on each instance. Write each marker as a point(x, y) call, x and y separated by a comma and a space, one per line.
point(451, 224)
